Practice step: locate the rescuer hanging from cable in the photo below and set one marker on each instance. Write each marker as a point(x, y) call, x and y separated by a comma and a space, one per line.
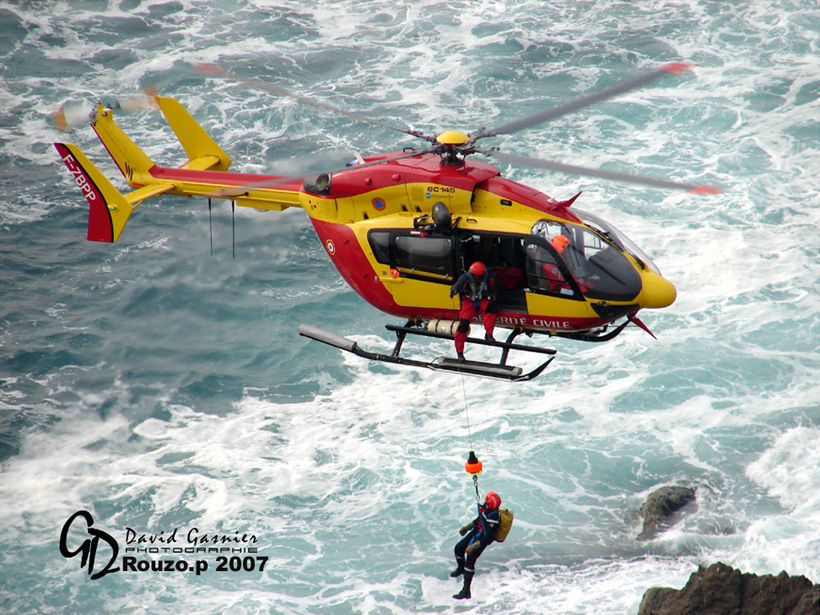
point(478, 534)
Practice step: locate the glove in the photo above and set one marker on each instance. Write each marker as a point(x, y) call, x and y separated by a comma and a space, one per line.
point(469, 550)
point(452, 293)
point(466, 529)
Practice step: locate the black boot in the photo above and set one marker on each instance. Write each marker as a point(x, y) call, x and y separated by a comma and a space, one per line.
point(459, 568)
point(465, 590)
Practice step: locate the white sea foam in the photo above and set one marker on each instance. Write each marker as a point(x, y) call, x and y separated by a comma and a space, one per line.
point(789, 471)
point(144, 395)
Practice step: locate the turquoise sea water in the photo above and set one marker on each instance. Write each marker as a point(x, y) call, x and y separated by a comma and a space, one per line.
point(161, 388)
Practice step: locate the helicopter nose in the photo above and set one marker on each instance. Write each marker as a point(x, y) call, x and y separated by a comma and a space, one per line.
point(658, 292)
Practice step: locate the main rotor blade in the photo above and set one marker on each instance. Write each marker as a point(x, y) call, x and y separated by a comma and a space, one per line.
point(237, 191)
point(601, 173)
point(372, 163)
point(585, 101)
point(261, 85)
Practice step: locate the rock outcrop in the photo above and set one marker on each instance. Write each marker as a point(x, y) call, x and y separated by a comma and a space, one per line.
point(722, 590)
point(659, 505)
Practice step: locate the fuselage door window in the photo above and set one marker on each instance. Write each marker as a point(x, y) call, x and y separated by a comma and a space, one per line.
point(413, 252)
point(427, 254)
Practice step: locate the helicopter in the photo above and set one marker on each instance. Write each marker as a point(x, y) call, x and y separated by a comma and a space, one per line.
point(401, 227)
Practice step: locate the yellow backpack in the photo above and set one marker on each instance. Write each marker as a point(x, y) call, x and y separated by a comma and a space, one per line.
point(505, 521)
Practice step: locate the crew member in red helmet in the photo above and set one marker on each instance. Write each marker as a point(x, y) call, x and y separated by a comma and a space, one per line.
point(477, 536)
point(478, 289)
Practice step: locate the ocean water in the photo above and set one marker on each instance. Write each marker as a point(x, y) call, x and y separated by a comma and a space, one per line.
point(165, 390)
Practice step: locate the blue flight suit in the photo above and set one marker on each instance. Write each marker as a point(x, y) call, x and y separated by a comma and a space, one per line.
point(482, 534)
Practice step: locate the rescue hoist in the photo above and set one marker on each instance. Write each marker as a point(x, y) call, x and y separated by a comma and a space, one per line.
point(474, 468)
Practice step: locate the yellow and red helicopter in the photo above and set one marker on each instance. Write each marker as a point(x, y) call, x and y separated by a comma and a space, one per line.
point(400, 227)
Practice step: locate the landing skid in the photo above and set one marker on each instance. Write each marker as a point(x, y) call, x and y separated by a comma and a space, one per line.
point(500, 370)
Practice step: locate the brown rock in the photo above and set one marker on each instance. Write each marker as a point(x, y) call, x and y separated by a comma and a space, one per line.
point(722, 590)
point(659, 505)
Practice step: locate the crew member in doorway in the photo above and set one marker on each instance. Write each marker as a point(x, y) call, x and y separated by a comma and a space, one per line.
point(478, 295)
point(477, 536)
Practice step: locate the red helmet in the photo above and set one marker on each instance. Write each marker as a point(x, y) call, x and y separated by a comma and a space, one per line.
point(478, 268)
point(559, 242)
point(492, 501)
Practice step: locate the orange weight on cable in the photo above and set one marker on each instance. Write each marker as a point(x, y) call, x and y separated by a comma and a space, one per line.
point(473, 465)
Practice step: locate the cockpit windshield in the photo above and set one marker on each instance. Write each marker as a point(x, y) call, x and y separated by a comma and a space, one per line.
point(624, 242)
point(597, 262)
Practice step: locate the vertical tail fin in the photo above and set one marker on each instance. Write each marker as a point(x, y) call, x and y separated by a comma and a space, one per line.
point(109, 209)
point(133, 163)
point(202, 150)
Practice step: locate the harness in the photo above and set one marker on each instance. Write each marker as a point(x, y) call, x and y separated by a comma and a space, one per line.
point(480, 524)
point(477, 290)
point(482, 527)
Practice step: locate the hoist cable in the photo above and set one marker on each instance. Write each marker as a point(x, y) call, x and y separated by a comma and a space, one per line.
point(473, 459)
point(466, 411)
point(210, 227)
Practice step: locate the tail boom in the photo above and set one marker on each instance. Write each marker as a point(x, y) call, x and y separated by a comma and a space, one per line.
point(205, 174)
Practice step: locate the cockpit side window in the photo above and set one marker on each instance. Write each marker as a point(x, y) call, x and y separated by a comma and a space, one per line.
point(598, 265)
point(546, 274)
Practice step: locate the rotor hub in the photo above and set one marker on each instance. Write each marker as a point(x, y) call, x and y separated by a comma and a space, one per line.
point(452, 137)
